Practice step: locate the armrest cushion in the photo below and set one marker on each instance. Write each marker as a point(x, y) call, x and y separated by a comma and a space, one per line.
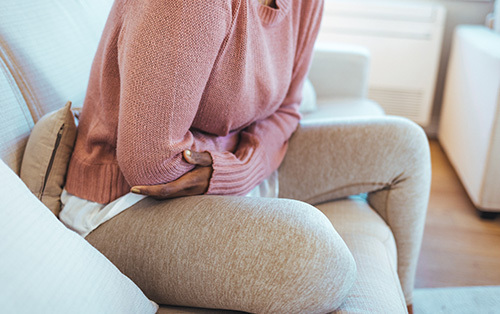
point(339, 70)
point(309, 101)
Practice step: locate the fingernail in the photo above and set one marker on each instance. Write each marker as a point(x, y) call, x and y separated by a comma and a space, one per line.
point(135, 190)
point(188, 152)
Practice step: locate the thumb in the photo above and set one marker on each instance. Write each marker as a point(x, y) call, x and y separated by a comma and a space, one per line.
point(197, 158)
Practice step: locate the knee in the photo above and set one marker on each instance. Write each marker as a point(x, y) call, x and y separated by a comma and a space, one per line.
point(413, 153)
point(409, 136)
point(316, 269)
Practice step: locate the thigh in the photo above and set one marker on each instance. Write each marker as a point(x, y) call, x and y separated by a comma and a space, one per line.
point(239, 253)
point(337, 158)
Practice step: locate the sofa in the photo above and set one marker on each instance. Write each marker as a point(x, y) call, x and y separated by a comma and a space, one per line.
point(46, 49)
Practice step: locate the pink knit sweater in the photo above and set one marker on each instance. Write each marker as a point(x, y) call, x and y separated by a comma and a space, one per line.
point(223, 76)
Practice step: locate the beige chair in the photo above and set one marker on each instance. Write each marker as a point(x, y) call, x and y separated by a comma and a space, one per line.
point(46, 50)
point(470, 120)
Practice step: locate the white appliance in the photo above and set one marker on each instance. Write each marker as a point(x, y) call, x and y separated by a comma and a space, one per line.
point(469, 129)
point(404, 39)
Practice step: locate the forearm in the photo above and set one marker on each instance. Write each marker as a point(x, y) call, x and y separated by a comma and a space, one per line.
point(264, 143)
point(163, 73)
point(260, 150)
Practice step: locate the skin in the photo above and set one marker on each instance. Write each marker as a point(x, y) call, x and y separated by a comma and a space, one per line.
point(271, 3)
point(194, 182)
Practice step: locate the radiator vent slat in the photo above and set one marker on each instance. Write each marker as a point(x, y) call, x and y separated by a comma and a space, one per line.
point(404, 40)
point(408, 103)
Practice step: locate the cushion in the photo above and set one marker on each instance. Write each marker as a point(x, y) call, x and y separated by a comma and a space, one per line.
point(46, 268)
point(47, 155)
point(342, 108)
point(308, 103)
point(377, 288)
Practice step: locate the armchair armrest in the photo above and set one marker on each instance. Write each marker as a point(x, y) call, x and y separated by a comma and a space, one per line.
point(339, 70)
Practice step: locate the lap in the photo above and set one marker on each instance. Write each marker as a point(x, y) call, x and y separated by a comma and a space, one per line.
point(236, 253)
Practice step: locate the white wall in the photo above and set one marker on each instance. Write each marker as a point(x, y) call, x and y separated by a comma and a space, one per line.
point(458, 12)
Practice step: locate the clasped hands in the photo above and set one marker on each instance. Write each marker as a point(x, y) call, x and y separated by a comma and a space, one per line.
point(195, 182)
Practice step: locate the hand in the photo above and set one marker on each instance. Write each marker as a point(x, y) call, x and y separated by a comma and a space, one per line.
point(194, 182)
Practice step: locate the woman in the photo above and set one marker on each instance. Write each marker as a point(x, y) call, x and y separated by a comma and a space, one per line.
point(223, 77)
point(201, 97)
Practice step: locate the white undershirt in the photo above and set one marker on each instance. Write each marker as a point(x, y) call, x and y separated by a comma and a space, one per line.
point(83, 216)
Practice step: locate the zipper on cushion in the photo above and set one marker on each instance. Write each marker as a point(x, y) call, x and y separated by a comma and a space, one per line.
point(51, 161)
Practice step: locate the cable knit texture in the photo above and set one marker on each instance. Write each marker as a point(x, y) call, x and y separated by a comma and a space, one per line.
point(223, 76)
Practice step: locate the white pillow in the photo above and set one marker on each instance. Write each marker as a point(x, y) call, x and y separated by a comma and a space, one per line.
point(308, 103)
point(46, 268)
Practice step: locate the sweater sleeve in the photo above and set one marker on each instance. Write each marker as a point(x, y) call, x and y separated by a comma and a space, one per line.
point(263, 144)
point(166, 51)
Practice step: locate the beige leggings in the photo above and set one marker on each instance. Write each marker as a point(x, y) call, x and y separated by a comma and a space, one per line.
point(278, 255)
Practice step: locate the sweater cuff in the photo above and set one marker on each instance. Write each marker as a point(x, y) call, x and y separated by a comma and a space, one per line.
point(232, 176)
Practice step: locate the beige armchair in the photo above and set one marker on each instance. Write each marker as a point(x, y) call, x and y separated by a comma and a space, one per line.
point(370, 182)
point(339, 74)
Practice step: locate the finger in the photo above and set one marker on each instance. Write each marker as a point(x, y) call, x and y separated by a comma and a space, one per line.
point(163, 191)
point(198, 158)
point(160, 190)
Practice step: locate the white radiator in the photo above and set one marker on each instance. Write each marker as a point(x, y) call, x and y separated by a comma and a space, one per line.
point(405, 42)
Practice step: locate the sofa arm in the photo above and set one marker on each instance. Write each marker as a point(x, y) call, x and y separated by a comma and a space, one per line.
point(340, 70)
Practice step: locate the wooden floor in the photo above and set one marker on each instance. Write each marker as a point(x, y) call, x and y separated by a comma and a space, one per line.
point(459, 249)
